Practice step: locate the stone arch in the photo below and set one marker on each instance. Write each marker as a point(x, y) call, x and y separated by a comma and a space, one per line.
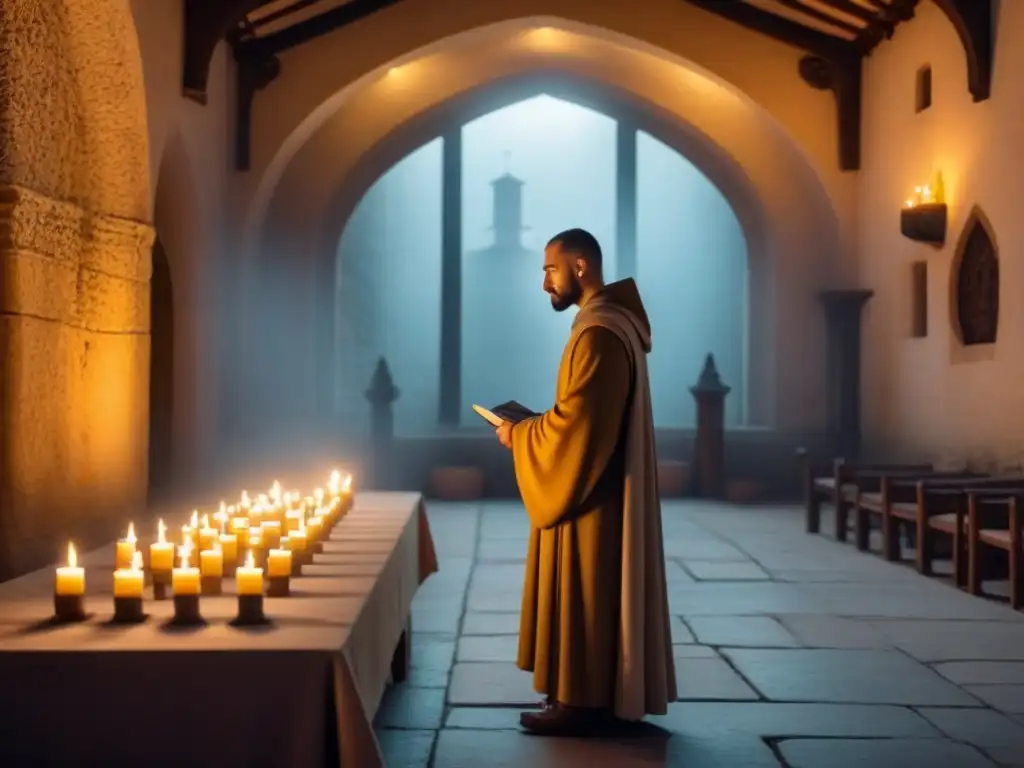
point(74, 180)
point(179, 220)
point(295, 210)
point(613, 102)
point(975, 282)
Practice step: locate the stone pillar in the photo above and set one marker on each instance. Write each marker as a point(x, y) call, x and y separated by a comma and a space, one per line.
point(625, 201)
point(450, 403)
point(382, 395)
point(709, 449)
point(842, 359)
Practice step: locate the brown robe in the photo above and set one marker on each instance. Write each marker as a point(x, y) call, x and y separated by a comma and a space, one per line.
point(594, 625)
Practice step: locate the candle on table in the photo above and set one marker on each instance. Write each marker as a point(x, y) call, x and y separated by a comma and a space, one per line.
point(314, 528)
point(69, 589)
point(211, 570)
point(271, 533)
point(207, 534)
point(293, 519)
point(279, 571)
point(161, 561)
point(128, 586)
point(298, 541)
point(249, 580)
point(185, 581)
point(125, 551)
point(229, 546)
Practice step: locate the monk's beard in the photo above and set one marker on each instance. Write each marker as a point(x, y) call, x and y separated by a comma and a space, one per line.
point(562, 301)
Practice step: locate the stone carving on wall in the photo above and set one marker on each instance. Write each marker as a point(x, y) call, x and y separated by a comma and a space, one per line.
point(977, 285)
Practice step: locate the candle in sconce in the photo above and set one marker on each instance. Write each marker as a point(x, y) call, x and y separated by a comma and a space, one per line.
point(69, 589)
point(125, 549)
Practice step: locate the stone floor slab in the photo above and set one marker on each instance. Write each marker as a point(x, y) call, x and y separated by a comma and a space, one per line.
point(880, 753)
point(935, 641)
point(502, 550)
point(681, 633)
point(481, 623)
point(726, 571)
point(694, 652)
point(1005, 698)
point(676, 574)
point(845, 676)
point(833, 632)
point(982, 672)
point(708, 679)
point(405, 748)
point(752, 598)
point(459, 748)
point(412, 708)
point(502, 648)
point(981, 727)
point(741, 631)
point(491, 684)
point(431, 661)
point(691, 549)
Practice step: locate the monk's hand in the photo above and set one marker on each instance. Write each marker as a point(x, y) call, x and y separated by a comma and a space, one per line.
point(504, 432)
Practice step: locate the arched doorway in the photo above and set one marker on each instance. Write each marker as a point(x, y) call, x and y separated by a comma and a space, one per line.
point(161, 377)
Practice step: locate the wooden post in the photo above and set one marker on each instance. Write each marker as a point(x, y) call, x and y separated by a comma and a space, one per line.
point(842, 316)
point(382, 395)
point(709, 451)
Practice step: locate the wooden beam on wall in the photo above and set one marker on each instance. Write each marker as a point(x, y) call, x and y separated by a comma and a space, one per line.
point(255, 71)
point(843, 78)
point(973, 21)
point(205, 24)
point(317, 26)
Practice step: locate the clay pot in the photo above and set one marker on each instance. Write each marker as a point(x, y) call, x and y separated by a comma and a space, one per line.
point(457, 483)
point(743, 491)
point(673, 477)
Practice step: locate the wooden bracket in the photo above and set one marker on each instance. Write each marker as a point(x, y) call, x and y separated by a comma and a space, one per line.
point(206, 23)
point(255, 72)
point(842, 76)
point(972, 20)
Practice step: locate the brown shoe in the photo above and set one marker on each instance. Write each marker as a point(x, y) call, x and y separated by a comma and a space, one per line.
point(560, 720)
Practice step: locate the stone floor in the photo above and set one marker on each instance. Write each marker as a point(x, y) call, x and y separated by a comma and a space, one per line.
point(791, 650)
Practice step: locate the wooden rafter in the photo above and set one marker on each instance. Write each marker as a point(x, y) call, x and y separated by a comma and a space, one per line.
point(206, 24)
point(318, 26)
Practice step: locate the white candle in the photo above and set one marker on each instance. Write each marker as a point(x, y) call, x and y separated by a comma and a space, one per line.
point(211, 563)
point(125, 550)
point(249, 578)
point(161, 552)
point(128, 582)
point(279, 563)
point(185, 580)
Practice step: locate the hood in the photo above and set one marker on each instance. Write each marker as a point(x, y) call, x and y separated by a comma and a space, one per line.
point(624, 295)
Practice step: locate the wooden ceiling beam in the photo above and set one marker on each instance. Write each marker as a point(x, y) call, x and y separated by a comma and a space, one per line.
point(279, 14)
point(825, 18)
point(206, 23)
point(317, 26)
point(778, 28)
point(972, 20)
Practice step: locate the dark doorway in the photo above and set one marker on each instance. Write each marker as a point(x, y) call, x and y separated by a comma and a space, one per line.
point(161, 376)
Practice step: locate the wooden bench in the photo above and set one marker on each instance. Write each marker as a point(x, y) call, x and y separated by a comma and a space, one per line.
point(995, 523)
point(899, 493)
point(839, 487)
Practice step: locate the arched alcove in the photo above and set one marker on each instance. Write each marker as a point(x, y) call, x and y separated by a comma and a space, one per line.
point(161, 376)
point(976, 283)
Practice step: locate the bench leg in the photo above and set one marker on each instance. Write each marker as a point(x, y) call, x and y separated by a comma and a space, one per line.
point(959, 558)
point(842, 518)
point(862, 528)
point(403, 654)
point(1016, 551)
point(812, 512)
point(973, 562)
point(891, 537)
point(923, 551)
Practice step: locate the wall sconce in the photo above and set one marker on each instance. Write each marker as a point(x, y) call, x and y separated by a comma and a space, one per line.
point(923, 217)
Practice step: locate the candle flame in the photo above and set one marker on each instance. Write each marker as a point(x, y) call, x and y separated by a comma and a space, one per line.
point(194, 520)
point(72, 556)
point(161, 532)
point(250, 561)
point(318, 494)
point(137, 561)
point(223, 510)
point(206, 521)
point(184, 558)
point(245, 499)
point(131, 533)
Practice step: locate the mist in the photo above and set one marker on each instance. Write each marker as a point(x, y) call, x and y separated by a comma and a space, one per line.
point(530, 170)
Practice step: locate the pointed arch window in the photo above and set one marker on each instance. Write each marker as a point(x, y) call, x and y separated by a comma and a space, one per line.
point(976, 287)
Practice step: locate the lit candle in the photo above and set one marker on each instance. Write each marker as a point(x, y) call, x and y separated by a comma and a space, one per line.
point(70, 578)
point(318, 497)
point(125, 551)
point(239, 524)
point(128, 582)
point(279, 563)
point(207, 534)
point(334, 484)
point(211, 563)
point(229, 546)
point(275, 491)
point(314, 528)
point(271, 533)
point(293, 519)
point(161, 552)
point(297, 542)
point(244, 501)
point(185, 580)
point(255, 538)
point(249, 578)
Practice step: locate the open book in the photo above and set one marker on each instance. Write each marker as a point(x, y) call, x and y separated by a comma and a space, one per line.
point(511, 411)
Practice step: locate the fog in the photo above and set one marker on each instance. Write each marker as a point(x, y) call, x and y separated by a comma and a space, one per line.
point(529, 171)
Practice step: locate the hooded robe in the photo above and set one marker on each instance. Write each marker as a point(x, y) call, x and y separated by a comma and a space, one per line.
point(594, 627)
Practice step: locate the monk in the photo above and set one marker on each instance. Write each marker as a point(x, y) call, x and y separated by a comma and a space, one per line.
point(594, 629)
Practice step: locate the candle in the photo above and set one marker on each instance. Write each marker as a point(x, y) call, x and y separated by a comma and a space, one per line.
point(125, 551)
point(229, 546)
point(185, 580)
point(275, 491)
point(297, 542)
point(293, 519)
point(271, 533)
point(318, 497)
point(239, 525)
point(249, 578)
point(314, 528)
point(128, 582)
point(255, 538)
point(70, 578)
point(211, 563)
point(207, 536)
point(334, 484)
point(161, 552)
point(279, 563)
